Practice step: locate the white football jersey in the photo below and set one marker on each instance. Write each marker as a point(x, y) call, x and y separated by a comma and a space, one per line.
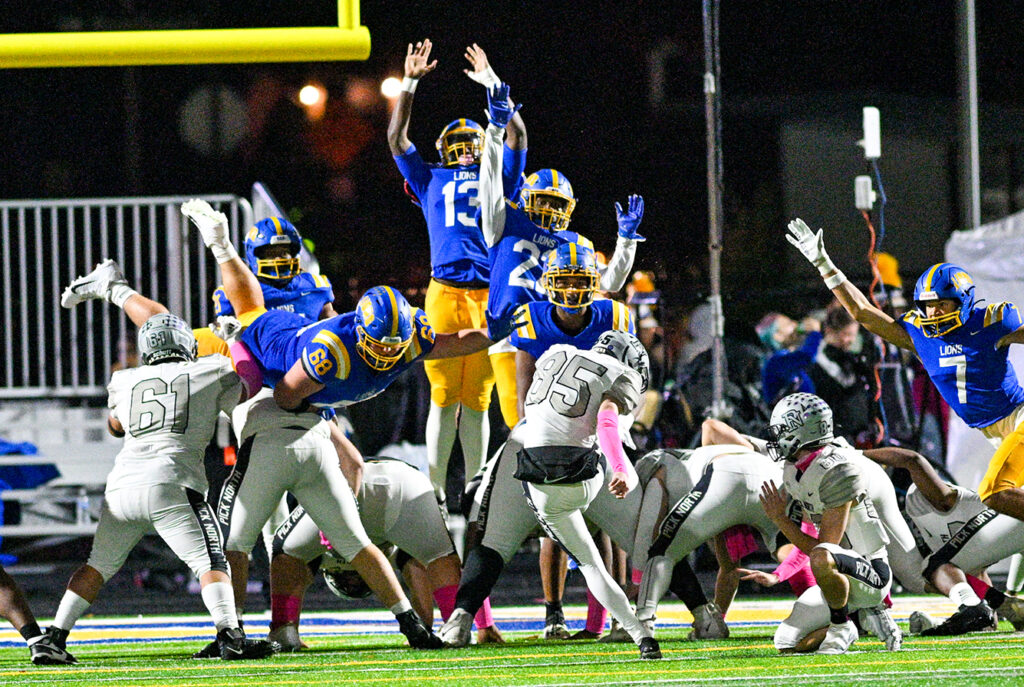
point(835, 476)
point(684, 467)
point(169, 413)
point(566, 393)
point(935, 526)
point(262, 414)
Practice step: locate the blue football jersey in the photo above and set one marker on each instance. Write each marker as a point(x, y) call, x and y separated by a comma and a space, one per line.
point(328, 353)
point(516, 263)
point(975, 378)
point(448, 198)
point(305, 294)
point(539, 332)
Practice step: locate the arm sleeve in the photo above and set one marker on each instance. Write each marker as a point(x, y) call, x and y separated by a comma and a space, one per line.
point(415, 171)
point(491, 193)
point(840, 484)
point(619, 265)
point(608, 439)
point(513, 165)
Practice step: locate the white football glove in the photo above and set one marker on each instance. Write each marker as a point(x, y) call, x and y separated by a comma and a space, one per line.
point(811, 245)
point(227, 328)
point(203, 215)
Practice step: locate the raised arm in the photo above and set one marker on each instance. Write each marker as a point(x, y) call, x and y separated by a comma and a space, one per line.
point(812, 246)
point(417, 64)
point(492, 193)
point(621, 262)
point(483, 74)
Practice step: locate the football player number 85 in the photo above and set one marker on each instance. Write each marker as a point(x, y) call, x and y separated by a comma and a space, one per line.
point(318, 359)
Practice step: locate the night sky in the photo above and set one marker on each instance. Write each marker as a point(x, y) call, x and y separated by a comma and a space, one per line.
point(582, 72)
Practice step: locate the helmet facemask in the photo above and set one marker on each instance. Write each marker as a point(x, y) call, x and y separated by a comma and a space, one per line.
point(380, 354)
point(571, 290)
point(461, 137)
point(798, 421)
point(548, 209)
point(277, 268)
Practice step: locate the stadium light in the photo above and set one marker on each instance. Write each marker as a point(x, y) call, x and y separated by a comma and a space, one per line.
point(391, 87)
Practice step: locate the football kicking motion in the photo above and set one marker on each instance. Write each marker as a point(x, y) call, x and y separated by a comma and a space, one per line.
point(575, 395)
point(166, 410)
point(963, 347)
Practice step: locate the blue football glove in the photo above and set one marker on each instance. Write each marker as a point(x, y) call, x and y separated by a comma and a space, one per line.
point(499, 329)
point(629, 221)
point(499, 109)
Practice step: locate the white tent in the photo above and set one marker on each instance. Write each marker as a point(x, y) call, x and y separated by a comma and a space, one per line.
point(993, 254)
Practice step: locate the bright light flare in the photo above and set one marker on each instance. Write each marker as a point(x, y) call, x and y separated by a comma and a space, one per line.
point(391, 87)
point(311, 95)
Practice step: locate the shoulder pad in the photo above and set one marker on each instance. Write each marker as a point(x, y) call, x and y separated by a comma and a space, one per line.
point(995, 312)
point(840, 483)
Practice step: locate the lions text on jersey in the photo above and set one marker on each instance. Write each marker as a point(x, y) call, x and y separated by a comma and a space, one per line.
point(305, 294)
point(975, 378)
point(539, 330)
point(448, 197)
point(327, 350)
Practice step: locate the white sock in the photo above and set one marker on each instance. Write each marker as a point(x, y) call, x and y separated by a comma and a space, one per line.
point(962, 595)
point(120, 293)
point(223, 252)
point(401, 606)
point(474, 435)
point(440, 435)
point(656, 580)
point(220, 602)
point(72, 607)
point(1015, 575)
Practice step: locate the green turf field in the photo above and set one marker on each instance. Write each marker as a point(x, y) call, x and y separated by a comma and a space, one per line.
point(995, 658)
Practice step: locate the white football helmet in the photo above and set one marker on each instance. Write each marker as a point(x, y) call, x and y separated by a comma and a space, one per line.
point(627, 349)
point(798, 421)
point(341, 578)
point(166, 337)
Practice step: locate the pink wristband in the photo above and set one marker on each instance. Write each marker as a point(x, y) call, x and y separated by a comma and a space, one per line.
point(609, 441)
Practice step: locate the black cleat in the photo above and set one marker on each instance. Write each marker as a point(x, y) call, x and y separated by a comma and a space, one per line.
point(211, 650)
point(234, 646)
point(966, 619)
point(419, 635)
point(649, 648)
point(49, 650)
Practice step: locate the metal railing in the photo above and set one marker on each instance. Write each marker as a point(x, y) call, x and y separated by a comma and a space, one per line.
point(44, 244)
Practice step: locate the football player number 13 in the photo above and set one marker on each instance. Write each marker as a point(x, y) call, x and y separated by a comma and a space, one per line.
point(450, 190)
point(154, 404)
point(960, 363)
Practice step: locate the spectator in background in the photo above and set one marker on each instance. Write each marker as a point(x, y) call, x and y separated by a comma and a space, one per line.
point(843, 375)
point(644, 300)
point(792, 348)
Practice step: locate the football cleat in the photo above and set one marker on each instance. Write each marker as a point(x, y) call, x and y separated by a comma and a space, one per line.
point(419, 635)
point(212, 224)
point(287, 636)
point(920, 621)
point(1012, 609)
point(838, 639)
point(95, 285)
point(649, 648)
point(457, 631)
point(49, 650)
point(235, 646)
point(618, 633)
point(879, 622)
point(556, 630)
point(966, 619)
point(708, 623)
point(211, 650)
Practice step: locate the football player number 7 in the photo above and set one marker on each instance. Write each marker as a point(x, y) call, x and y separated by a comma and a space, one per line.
point(960, 363)
point(154, 404)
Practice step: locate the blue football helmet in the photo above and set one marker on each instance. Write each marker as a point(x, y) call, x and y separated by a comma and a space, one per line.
point(571, 277)
point(941, 281)
point(384, 326)
point(547, 197)
point(460, 137)
point(273, 231)
point(166, 338)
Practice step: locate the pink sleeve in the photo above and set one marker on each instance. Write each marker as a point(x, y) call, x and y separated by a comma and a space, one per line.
point(609, 441)
point(246, 367)
point(796, 560)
